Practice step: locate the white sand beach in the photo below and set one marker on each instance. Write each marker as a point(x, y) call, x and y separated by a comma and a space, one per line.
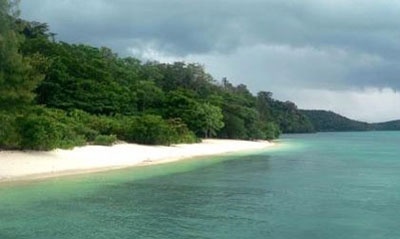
point(24, 165)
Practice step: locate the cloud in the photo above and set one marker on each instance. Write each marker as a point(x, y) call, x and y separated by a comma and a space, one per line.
point(279, 66)
point(370, 104)
point(277, 45)
point(199, 26)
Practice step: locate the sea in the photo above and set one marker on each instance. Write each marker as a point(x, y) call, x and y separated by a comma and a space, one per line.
point(324, 185)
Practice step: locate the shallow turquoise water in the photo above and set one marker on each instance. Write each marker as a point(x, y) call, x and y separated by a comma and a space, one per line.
point(328, 185)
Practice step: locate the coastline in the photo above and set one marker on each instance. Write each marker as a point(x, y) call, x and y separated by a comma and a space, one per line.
point(31, 165)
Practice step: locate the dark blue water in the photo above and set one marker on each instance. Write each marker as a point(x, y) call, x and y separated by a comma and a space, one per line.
point(331, 185)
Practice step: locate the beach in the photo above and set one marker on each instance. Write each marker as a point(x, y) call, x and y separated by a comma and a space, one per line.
point(28, 165)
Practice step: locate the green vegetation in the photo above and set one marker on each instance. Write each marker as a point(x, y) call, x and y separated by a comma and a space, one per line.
point(327, 121)
point(105, 140)
point(390, 125)
point(54, 94)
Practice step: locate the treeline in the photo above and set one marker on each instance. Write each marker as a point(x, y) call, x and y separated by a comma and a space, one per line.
point(386, 126)
point(54, 94)
point(328, 121)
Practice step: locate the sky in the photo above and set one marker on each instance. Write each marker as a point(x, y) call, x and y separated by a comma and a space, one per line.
point(341, 55)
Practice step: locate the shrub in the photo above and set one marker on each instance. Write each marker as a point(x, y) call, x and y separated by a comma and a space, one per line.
point(39, 132)
point(180, 132)
point(106, 140)
point(80, 122)
point(46, 129)
point(147, 129)
point(271, 131)
point(10, 137)
point(153, 130)
point(105, 125)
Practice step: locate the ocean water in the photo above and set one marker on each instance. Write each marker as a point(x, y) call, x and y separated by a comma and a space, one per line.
point(326, 185)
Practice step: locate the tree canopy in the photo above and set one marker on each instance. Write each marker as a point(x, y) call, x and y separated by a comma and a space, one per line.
point(18, 77)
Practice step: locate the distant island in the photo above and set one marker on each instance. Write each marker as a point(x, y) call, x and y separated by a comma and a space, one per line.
point(328, 121)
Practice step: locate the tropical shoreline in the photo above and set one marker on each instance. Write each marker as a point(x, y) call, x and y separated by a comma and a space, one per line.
point(30, 165)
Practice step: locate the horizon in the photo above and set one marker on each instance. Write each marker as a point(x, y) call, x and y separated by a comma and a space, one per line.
point(339, 56)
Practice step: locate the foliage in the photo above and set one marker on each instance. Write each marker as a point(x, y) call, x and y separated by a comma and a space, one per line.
point(39, 132)
point(18, 77)
point(210, 117)
point(203, 118)
point(328, 121)
point(271, 131)
point(390, 125)
point(9, 132)
point(152, 129)
point(105, 140)
point(181, 133)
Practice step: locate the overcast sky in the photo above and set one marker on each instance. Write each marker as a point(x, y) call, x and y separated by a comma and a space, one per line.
point(341, 55)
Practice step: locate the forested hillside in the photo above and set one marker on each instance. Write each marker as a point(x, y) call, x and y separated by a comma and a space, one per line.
point(324, 121)
point(55, 94)
point(390, 125)
point(328, 121)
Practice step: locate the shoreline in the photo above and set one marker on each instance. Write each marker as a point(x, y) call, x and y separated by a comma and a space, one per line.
point(34, 165)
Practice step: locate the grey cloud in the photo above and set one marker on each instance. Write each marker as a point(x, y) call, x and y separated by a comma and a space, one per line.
point(201, 26)
point(266, 44)
point(278, 67)
point(177, 27)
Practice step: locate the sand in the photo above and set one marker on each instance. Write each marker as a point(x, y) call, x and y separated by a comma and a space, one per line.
point(25, 165)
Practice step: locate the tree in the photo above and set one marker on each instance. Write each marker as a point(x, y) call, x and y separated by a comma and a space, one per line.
point(181, 104)
point(18, 78)
point(263, 105)
point(149, 96)
point(211, 119)
point(234, 127)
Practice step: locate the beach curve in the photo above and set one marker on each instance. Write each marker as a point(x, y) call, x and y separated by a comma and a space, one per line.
point(29, 165)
